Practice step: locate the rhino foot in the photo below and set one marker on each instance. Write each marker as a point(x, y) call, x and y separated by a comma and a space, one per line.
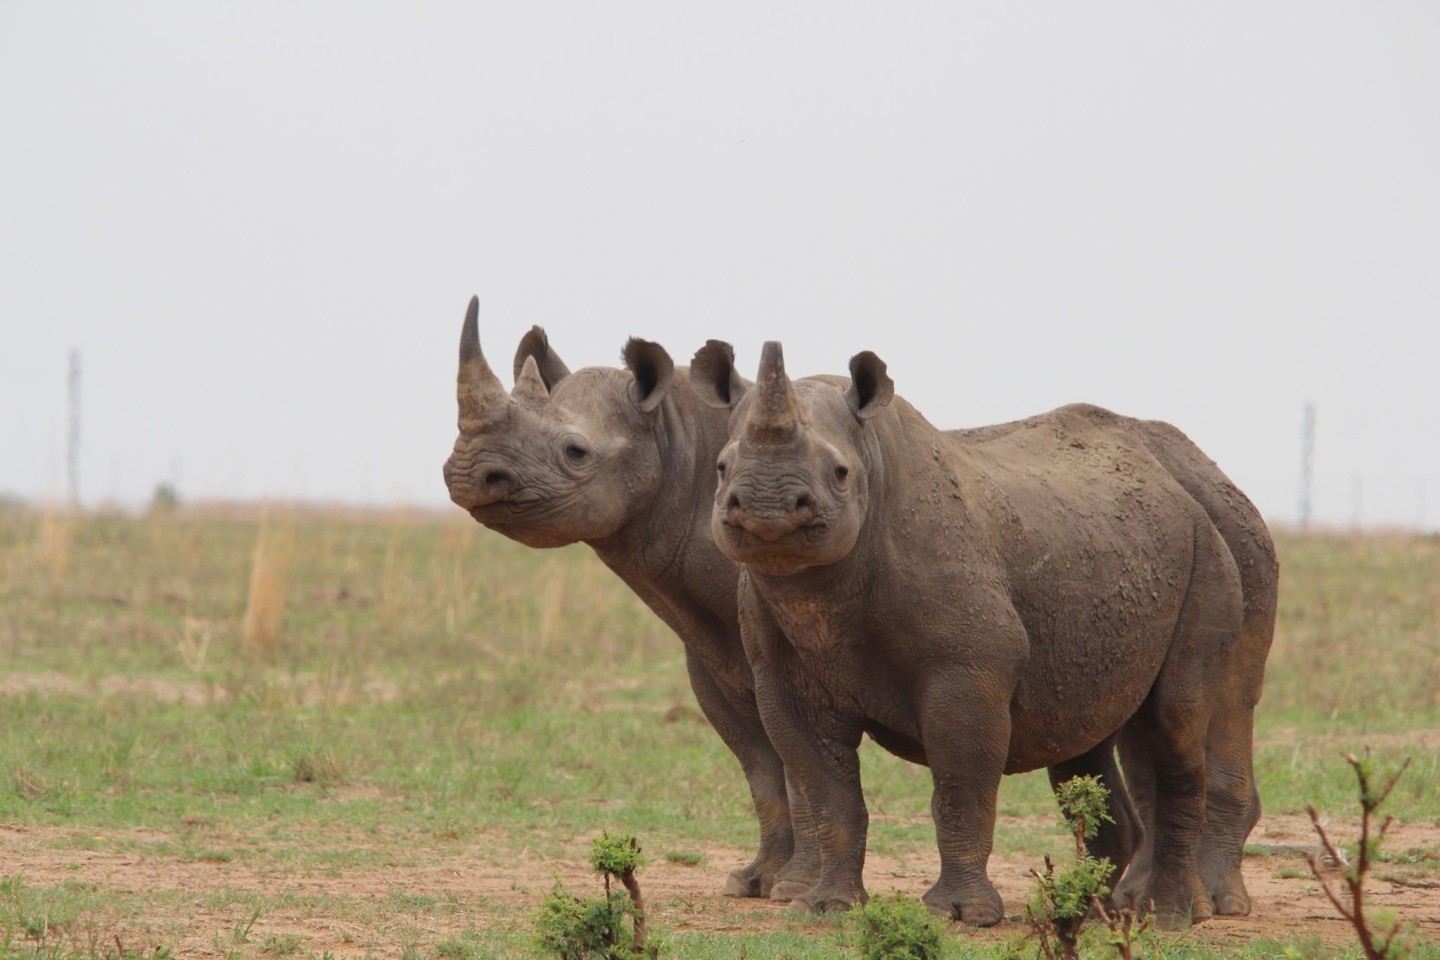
point(748, 882)
point(1129, 895)
point(784, 890)
point(1178, 910)
point(1230, 897)
point(979, 906)
point(819, 901)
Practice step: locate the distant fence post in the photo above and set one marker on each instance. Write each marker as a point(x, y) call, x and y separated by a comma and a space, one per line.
point(1307, 463)
point(72, 452)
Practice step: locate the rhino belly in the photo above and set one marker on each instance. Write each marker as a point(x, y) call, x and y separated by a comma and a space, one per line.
point(1076, 693)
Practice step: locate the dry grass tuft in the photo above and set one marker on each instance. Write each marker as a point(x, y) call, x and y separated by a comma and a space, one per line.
point(57, 534)
point(269, 582)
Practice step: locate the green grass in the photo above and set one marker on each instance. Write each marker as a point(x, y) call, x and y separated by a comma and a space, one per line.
point(442, 699)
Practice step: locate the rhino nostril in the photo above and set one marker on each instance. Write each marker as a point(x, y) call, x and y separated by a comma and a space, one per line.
point(733, 503)
point(498, 478)
point(804, 502)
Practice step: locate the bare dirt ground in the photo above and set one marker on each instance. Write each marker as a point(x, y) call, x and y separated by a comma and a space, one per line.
point(480, 890)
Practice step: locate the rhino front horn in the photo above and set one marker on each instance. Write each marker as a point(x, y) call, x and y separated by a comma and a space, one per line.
point(773, 418)
point(477, 387)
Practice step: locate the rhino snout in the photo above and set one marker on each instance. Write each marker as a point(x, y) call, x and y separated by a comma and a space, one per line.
point(770, 518)
point(481, 485)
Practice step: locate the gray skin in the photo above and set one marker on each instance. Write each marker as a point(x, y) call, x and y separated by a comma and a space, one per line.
point(985, 608)
point(631, 509)
point(1232, 798)
point(623, 460)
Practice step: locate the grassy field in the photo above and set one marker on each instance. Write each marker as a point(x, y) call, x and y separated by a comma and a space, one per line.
point(363, 734)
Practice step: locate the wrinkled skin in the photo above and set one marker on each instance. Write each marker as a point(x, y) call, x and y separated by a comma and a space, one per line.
point(1232, 798)
point(569, 458)
point(623, 460)
point(631, 515)
point(986, 608)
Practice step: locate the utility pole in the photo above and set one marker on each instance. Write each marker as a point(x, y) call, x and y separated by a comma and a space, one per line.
point(1307, 464)
point(72, 452)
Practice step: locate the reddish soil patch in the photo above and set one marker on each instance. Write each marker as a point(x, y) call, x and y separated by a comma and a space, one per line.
point(481, 890)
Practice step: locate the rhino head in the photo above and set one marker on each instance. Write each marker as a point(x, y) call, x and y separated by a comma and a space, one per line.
point(794, 476)
point(563, 457)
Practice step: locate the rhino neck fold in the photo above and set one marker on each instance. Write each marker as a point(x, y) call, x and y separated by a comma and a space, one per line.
point(665, 545)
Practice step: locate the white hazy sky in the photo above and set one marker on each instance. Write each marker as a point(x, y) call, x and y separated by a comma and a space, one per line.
point(259, 223)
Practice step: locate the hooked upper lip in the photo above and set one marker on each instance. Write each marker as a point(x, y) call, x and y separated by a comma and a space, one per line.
point(742, 534)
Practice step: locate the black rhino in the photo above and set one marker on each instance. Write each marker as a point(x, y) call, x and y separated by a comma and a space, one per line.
point(624, 460)
point(641, 463)
point(985, 608)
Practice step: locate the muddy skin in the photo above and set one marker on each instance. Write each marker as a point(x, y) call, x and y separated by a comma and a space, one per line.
point(511, 471)
point(995, 607)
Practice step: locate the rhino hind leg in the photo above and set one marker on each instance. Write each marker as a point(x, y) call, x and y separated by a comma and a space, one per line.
point(1174, 727)
point(1120, 840)
point(1234, 797)
point(764, 773)
point(1134, 886)
point(1232, 810)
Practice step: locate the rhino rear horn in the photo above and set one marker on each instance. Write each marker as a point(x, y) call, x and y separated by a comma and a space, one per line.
point(530, 385)
point(477, 389)
point(774, 418)
point(536, 344)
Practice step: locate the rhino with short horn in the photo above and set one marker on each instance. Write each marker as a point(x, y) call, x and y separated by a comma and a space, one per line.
point(984, 608)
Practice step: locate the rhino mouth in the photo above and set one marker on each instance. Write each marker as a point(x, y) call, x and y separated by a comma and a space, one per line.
point(761, 540)
point(510, 507)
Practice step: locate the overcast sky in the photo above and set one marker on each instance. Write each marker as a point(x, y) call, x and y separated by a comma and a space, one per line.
point(259, 224)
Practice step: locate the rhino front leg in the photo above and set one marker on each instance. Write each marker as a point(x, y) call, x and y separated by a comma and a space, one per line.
point(966, 739)
point(798, 877)
point(819, 750)
point(765, 774)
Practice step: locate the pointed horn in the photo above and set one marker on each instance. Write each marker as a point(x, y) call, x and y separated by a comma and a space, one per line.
point(774, 418)
point(530, 386)
point(476, 386)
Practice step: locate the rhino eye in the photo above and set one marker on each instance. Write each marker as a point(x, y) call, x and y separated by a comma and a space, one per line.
point(841, 473)
point(575, 453)
point(720, 469)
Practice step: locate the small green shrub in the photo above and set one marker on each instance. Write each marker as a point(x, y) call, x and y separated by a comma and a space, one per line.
point(584, 928)
point(897, 928)
point(581, 928)
point(1060, 902)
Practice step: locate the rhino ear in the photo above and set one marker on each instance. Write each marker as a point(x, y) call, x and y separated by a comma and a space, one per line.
point(871, 388)
point(713, 375)
point(536, 344)
point(653, 370)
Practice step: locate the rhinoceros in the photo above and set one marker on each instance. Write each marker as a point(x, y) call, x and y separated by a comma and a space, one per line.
point(984, 608)
point(623, 460)
point(507, 472)
point(1232, 806)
